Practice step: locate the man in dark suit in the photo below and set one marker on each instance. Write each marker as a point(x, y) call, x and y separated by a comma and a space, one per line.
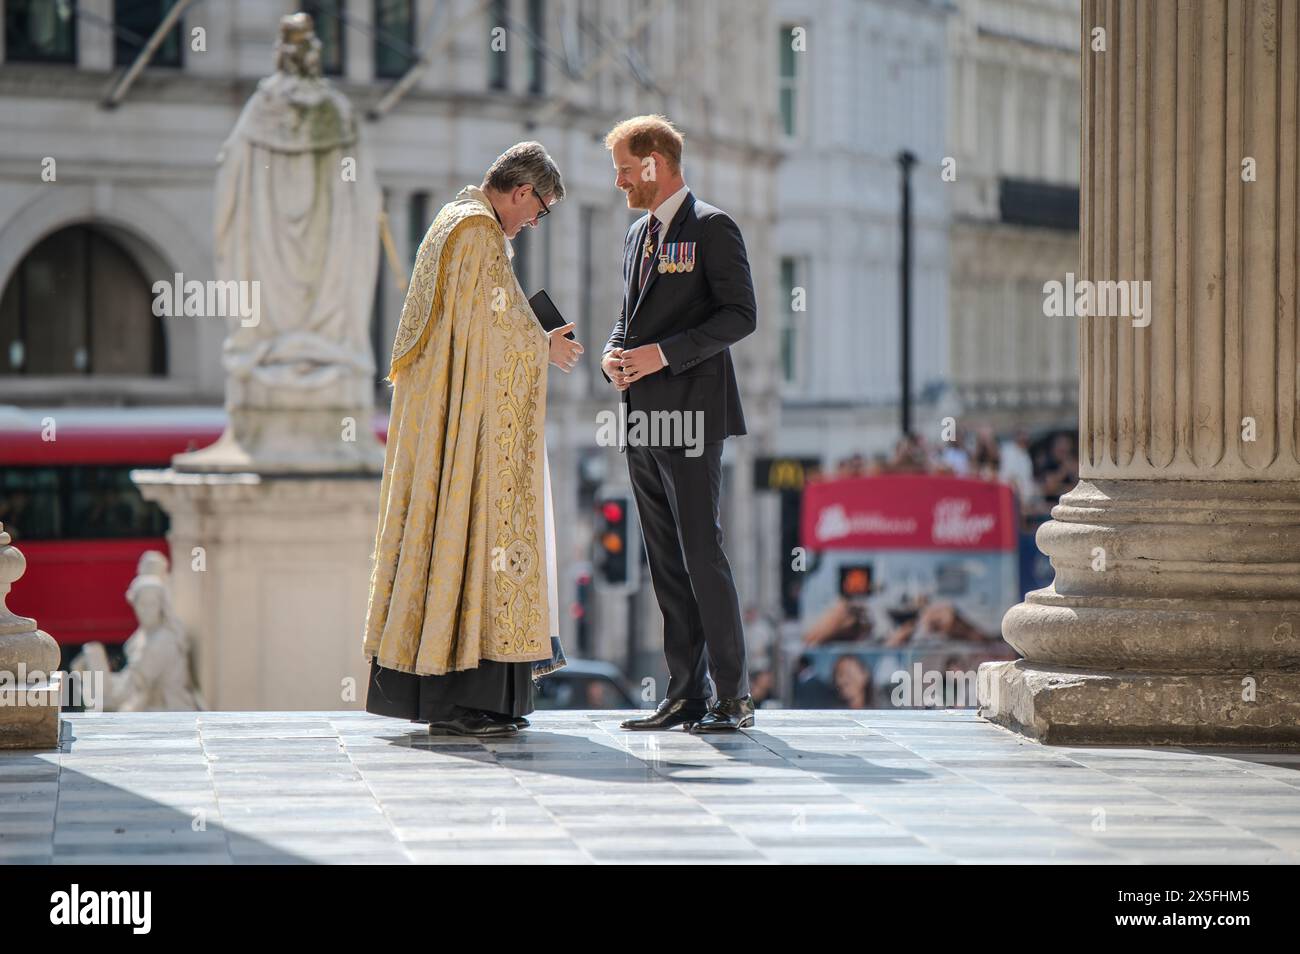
point(688, 297)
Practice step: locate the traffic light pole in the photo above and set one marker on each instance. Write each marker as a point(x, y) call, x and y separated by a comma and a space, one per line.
point(633, 635)
point(617, 564)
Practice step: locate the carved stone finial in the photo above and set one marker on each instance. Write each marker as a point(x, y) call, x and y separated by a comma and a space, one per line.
point(29, 658)
point(12, 567)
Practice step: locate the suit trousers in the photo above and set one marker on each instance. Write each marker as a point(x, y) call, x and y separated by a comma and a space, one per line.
point(677, 499)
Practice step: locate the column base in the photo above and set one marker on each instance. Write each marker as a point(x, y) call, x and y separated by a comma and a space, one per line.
point(1174, 618)
point(1063, 706)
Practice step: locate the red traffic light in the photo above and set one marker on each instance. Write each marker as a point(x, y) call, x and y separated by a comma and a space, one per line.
point(612, 511)
point(857, 583)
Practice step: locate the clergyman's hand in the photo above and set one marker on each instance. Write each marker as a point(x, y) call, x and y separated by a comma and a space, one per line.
point(613, 365)
point(642, 362)
point(564, 351)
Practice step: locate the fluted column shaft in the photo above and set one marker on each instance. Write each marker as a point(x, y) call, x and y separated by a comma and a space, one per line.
point(1189, 181)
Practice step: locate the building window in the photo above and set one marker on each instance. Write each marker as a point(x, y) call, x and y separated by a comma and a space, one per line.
point(498, 50)
point(788, 81)
point(794, 289)
point(522, 244)
point(989, 93)
point(380, 339)
point(394, 37)
point(640, 48)
point(134, 22)
point(586, 276)
point(1038, 204)
point(42, 31)
point(417, 219)
point(536, 54)
point(588, 31)
point(79, 304)
point(326, 15)
point(377, 339)
point(545, 239)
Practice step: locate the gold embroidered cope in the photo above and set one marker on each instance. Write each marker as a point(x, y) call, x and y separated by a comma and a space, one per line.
point(459, 572)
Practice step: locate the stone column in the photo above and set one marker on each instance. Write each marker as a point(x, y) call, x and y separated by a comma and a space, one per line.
point(1175, 613)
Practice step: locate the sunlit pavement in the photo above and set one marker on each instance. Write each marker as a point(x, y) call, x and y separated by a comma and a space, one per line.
point(877, 786)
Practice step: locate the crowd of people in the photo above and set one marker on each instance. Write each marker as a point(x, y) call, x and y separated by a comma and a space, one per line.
point(851, 632)
point(1039, 471)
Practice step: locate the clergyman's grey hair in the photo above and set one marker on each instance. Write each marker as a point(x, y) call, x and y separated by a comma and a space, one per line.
point(525, 163)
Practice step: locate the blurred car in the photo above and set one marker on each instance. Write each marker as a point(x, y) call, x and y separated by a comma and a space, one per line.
point(585, 684)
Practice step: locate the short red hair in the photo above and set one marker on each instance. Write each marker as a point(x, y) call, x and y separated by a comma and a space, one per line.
point(647, 134)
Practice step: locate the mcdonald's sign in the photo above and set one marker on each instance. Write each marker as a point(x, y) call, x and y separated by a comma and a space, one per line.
point(783, 473)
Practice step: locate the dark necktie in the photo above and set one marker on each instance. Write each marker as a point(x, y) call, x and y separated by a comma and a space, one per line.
point(648, 252)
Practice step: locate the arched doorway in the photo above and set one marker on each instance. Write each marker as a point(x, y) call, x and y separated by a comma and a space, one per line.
point(79, 304)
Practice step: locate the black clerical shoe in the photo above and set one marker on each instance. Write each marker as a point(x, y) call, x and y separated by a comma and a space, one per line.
point(671, 712)
point(727, 715)
point(519, 722)
point(472, 722)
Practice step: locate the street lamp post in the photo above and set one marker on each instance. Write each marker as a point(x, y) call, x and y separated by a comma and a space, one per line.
point(906, 160)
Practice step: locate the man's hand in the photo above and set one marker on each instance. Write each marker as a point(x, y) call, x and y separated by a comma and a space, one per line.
point(613, 365)
point(564, 351)
point(641, 362)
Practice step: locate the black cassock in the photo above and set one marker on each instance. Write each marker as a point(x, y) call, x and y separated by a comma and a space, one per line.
point(500, 687)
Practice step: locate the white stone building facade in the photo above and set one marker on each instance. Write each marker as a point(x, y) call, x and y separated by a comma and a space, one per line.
point(132, 191)
point(870, 83)
point(1014, 134)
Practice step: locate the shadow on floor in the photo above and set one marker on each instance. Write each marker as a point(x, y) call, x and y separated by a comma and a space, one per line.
point(51, 814)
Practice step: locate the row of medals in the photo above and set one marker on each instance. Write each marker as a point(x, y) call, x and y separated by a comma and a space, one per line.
point(672, 267)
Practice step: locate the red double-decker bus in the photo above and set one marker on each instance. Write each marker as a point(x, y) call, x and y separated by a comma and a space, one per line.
point(67, 499)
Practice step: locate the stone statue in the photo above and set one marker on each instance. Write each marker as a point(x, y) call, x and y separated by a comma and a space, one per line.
point(297, 226)
point(157, 672)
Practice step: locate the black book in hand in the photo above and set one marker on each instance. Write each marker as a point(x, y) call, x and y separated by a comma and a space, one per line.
point(547, 313)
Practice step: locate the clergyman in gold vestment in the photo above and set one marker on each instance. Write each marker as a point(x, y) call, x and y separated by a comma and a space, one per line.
point(463, 610)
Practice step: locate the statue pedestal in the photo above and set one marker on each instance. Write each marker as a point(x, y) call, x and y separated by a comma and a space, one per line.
point(299, 430)
point(271, 575)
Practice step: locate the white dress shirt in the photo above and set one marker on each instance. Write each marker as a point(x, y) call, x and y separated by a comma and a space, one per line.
point(664, 212)
point(669, 206)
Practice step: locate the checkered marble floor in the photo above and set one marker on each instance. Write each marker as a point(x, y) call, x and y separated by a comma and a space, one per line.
point(878, 786)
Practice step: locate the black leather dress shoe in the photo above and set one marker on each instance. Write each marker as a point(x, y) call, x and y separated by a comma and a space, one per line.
point(473, 722)
point(727, 715)
point(519, 722)
point(671, 712)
